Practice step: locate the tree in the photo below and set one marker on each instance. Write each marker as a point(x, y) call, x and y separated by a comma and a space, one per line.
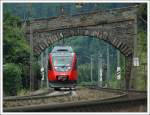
point(15, 47)
point(140, 81)
point(12, 79)
point(16, 54)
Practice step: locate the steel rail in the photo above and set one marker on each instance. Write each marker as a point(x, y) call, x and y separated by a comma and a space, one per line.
point(129, 97)
point(15, 98)
point(39, 95)
point(61, 105)
point(118, 103)
point(111, 89)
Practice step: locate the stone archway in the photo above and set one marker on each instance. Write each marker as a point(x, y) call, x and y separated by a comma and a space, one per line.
point(117, 27)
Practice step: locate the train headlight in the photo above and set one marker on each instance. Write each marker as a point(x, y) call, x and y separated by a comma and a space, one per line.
point(57, 68)
point(68, 68)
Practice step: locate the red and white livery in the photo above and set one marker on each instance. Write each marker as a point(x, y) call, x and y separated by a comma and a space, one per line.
point(62, 67)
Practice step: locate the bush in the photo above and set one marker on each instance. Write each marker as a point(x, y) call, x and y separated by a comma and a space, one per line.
point(12, 79)
point(23, 92)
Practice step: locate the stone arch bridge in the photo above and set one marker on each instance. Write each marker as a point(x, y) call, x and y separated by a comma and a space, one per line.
point(118, 27)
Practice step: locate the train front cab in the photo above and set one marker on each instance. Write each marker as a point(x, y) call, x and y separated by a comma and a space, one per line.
point(57, 79)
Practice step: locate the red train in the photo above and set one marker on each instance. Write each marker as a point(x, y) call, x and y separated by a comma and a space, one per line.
point(62, 67)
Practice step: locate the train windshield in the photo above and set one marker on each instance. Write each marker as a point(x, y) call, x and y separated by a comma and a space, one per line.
point(62, 60)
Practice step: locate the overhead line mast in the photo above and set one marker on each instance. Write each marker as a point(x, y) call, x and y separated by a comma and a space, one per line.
point(31, 50)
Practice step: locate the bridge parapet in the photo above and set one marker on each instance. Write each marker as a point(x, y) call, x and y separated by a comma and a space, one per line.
point(82, 20)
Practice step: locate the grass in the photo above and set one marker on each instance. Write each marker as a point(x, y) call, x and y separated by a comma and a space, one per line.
point(23, 92)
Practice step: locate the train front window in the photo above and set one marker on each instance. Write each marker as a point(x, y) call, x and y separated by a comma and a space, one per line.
point(62, 60)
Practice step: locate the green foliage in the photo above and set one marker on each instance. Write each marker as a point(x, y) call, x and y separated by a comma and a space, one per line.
point(36, 70)
point(141, 78)
point(16, 51)
point(141, 74)
point(142, 16)
point(114, 83)
point(84, 73)
point(25, 76)
point(12, 79)
point(142, 43)
point(44, 10)
point(140, 81)
point(142, 10)
point(15, 46)
point(23, 92)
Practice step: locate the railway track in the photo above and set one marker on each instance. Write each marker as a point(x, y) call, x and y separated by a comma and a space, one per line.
point(37, 96)
point(94, 99)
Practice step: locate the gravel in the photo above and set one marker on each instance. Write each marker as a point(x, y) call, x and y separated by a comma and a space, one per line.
point(83, 94)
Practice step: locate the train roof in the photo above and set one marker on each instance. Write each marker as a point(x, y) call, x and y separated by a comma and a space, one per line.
point(67, 49)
